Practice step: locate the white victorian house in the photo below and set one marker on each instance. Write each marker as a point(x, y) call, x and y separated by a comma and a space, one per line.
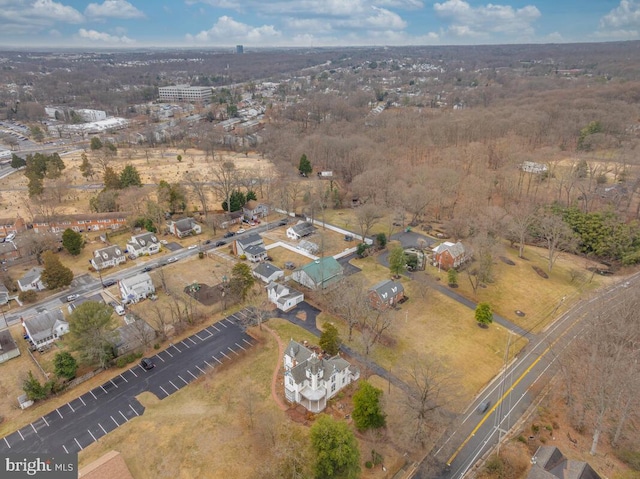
point(143, 244)
point(108, 257)
point(311, 380)
point(136, 288)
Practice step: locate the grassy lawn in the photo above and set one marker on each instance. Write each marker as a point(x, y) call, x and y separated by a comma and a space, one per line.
point(281, 255)
point(520, 288)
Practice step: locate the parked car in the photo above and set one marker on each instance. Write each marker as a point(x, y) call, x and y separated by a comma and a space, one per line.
point(240, 230)
point(119, 310)
point(148, 268)
point(207, 242)
point(147, 364)
point(229, 234)
point(164, 242)
point(193, 246)
point(282, 223)
point(173, 259)
point(219, 243)
point(109, 282)
point(72, 297)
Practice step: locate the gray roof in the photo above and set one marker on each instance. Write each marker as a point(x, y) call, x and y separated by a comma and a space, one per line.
point(130, 336)
point(43, 324)
point(387, 289)
point(145, 239)
point(130, 283)
point(31, 275)
point(307, 359)
point(185, 224)
point(550, 463)
point(254, 250)
point(266, 269)
point(4, 294)
point(456, 249)
point(107, 254)
point(7, 343)
point(252, 239)
point(304, 228)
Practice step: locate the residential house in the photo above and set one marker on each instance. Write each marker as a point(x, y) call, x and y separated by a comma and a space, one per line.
point(11, 225)
point(233, 218)
point(252, 246)
point(449, 255)
point(549, 463)
point(45, 328)
point(31, 280)
point(8, 347)
point(9, 250)
point(81, 222)
point(4, 294)
point(252, 210)
point(184, 227)
point(267, 272)
point(311, 380)
point(136, 288)
point(71, 307)
point(136, 335)
point(109, 466)
point(300, 230)
point(283, 297)
point(319, 274)
point(386, 294)
point(108, 257)
point(143, 244)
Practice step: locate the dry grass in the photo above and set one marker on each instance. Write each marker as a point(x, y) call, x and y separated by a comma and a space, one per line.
point(328, 241)
point(281, 255)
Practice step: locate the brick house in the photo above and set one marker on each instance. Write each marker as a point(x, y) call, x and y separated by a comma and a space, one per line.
point(80, 223)
point(449, 255)
point(11, 225)
point(386, 294)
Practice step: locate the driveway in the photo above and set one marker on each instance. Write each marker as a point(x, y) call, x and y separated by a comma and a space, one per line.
point(412, 239)
point(84, 420)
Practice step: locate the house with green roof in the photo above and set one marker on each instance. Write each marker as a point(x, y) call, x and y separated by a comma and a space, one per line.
point(319, 274)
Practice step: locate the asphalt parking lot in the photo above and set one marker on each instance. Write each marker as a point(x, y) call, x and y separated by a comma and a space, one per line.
point(82, 421)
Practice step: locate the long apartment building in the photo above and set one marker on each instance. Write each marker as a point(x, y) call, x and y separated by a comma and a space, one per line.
point(185, 93)
point(80, 223)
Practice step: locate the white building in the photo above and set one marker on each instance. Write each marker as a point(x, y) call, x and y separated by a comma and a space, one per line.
point(300, 230)
point(136, 288)
point(184, 227)
point(45, 328)
point(267, 272)
point(31, 280)
point(185, 93)
point(108, 257)
point(92, 115)
point(311, 380)
point(284, 297)
point(143, 244)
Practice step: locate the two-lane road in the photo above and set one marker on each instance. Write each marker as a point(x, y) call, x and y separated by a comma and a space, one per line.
point(82, 421)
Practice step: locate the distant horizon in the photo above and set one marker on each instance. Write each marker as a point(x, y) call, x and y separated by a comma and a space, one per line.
point(192, 24)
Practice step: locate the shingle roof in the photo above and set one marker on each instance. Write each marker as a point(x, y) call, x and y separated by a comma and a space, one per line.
point(455, 249)
point(304, 228)
point(254, 250)
point(130, 283)
point(7, 343)
point(185, 224)
point(30, 276)
point(43, 324)
point(266, 270)
point(250, 240)
point(387, 289)
point(550, 463)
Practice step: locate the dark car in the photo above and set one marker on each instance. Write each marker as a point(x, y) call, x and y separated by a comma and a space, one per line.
point(147, 364)
point(219, 243)
point(229, 234)
point(207, 242)
point(109, 282)
point(282, 222)
point(148, 268)
point(483, 406)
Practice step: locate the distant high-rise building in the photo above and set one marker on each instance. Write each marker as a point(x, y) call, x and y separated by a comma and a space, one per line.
point(185, 93)
point(239, 49)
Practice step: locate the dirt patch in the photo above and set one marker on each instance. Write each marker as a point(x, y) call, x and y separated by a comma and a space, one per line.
point(506, 260)
point(540, 272)
point(205, 294)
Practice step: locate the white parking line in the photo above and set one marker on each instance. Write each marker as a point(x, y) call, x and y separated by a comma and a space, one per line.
point(82, 400)
point(20, 434)
point(5, 440)
point(208, 364)
point(45, 421)
point(123, 416)
point(233, 351)
point(199, 369)
point(176, 348)
point(34, 428)
point(231, 322)
point(94, 396)
point(184, 344)
point(125, 379)
point(183, 379)
point(214, 327)
point(65, 449)
point(225, 355)
point(102, 387)
point(159, 357)
point(194, 376)
point(240, 347)
point(177, 388)
point(105, 432)
point(248, 342)
point(164, 390)
point(217, 359)
point(94, 438)
point(118, 425)
point(77, 443)
point(196, 335)
point(136, 412)
point(223, 324)
point(192, 341)
point(111, 381)
point(168, 352)
point(71, 407)
point(60, 414)
point(133, 372)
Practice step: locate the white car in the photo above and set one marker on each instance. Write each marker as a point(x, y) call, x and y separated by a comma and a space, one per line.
point(173, 259)
point(193, 246)
point(164, 242)
point(10, 237)
point(241, 230)
point(119, 310)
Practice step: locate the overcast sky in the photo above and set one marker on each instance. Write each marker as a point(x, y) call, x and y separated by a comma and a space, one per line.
point(305, 23)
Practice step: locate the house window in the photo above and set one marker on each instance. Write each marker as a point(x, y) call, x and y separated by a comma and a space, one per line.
point(344, 380)
point(333, 388)
point(290, 381)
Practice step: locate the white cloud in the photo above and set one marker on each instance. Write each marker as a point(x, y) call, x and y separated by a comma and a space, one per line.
point(102, 37)
point(113, 9)
point(623, 22)
point(487, 19)
point(228, 31)
point(34, 16)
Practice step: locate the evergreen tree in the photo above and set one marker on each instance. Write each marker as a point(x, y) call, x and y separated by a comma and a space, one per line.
point(111, 179)
point(336, 449)
point(91, 332)
point(237, 200)
point(55, 275)
point(251, 195)
point(397, 261)
point(330, 339)
point(72, 242)
point(130, 177)
point(484, 315)
point(96, 143)
point(33, 389)
point(452, 277)
point(17, 162)
point(65, 365)
point(85, 167)
point(305, 166)
point(242, 280)
point(367, 411)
